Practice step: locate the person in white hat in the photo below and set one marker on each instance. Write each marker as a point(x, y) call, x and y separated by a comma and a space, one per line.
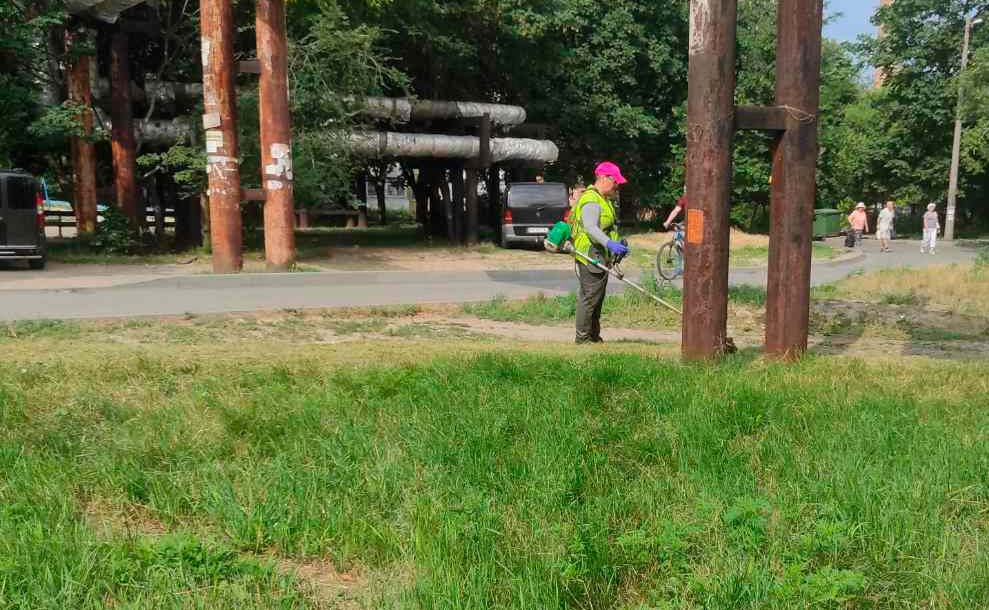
point(859, 222)
point(931, 227)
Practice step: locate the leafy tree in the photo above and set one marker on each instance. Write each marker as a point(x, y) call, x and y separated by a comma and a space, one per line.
point(920, 55)
point(30, 52)
point(332, 62)
point(603, 78)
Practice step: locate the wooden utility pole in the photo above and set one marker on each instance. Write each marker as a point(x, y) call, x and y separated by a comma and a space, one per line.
point(794, 189)
point(956, 142)
point(712, 119)
point(220, 123)
point(83, 150)
point(710, 133)
point(473, 179)
point(122, 143)
point(276, 136)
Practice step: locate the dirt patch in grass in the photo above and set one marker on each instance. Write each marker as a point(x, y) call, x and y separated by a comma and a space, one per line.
point(958, 289)
point(122, 518)
point(324, 582)
point(831, 317)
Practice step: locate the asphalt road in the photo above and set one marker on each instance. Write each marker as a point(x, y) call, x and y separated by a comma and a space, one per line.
point(203, 294)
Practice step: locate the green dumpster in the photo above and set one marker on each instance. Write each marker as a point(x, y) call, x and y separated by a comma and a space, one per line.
point(827, 222)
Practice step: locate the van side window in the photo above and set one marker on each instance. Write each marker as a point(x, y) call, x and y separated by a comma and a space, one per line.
point(21, 193)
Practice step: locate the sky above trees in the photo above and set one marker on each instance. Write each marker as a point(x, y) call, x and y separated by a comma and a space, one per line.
point(853, 21)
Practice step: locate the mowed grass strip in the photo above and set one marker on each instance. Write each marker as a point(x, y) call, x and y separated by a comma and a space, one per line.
point(495, 481)
point(629, 309)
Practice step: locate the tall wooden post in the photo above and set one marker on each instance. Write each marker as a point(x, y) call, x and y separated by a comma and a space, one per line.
point(361, 201)
point(473, 230)
point(494, 200)
point(794, 189)
point(276, 136)
point(122, 143)
point(710, 132)
point(83, 151)
point(457, 203)
point(220, 123)
point(473, 178)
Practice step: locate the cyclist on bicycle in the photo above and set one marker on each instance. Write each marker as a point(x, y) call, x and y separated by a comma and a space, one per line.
point(681, 204)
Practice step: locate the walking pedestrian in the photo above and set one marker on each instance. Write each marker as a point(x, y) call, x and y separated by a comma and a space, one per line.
point(931, 227)
point(884, 226)
point(859, 222)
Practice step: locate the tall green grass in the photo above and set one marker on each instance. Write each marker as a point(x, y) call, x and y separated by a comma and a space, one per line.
point(511, 481)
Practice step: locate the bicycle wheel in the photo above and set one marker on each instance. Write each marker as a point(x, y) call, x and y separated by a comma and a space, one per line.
point(669, 261)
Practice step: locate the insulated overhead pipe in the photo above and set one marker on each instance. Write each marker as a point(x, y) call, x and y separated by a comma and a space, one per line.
point(418, 145)
point(405, 110)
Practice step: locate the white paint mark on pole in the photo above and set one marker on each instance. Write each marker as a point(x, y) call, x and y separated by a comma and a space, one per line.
point(700, 18)
point(211, 120)
point(282, 166)
point(205, 46)
point(214, 141)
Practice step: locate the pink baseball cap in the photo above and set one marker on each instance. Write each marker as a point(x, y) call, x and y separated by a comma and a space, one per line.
point(610, 170)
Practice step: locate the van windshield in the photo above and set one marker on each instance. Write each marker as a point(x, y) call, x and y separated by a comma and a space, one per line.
point(538, 194)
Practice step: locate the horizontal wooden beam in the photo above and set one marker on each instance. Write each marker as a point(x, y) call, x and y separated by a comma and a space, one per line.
point(252, 194)
point(760, 118)
point(249, 66)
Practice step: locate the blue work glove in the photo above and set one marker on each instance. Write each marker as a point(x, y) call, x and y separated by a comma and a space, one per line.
point(617, 248)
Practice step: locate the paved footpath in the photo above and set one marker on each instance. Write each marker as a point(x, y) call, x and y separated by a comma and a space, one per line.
point(203, 294)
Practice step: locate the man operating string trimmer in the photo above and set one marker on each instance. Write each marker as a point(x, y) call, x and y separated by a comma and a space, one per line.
point(591, 237)
point(594, 236)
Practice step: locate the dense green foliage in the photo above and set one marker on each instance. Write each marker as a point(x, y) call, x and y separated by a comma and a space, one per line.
point(602, 80)
point(900, 136)
point(522, 481)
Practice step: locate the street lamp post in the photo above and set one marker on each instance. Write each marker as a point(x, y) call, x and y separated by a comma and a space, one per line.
point(949, 220)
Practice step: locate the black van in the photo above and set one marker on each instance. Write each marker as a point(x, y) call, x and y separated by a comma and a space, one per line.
point(530, 211)
point(22, 219)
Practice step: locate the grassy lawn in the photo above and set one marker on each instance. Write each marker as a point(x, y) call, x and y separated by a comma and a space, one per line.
point(177, 464)
point(753, 256)
point(948, 303)
point(962, 289)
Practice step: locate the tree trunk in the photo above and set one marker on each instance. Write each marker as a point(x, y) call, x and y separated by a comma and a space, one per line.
point(379, 191)
point(457, 204)
point(188, 227)
point(472, 207)
point(362, 201)
point(494, 200)
point(437, 203)
point(83, 151)
point(420, 192)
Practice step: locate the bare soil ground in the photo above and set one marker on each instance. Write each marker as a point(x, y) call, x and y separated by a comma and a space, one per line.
point(837, 327)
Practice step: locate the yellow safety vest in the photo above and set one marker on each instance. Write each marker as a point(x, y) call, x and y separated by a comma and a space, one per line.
point(581, 239)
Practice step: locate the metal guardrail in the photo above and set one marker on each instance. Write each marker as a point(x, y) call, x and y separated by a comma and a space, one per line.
point(67, 218)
